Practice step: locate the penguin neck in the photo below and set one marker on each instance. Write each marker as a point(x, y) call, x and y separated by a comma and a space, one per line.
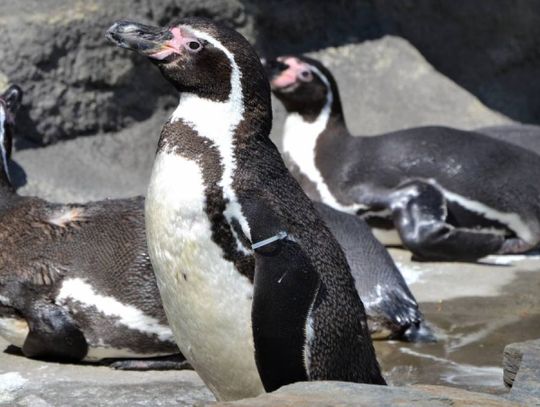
point(304, 131)
point(213, 133)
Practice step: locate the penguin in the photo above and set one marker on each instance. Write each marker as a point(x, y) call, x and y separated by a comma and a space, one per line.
point(523, 135)
point(256, 289)
point(387, 317)
point(392, 311)
point(445, 194)
point(76, 282)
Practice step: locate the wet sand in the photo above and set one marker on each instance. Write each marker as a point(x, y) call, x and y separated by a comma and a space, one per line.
point(475, 309)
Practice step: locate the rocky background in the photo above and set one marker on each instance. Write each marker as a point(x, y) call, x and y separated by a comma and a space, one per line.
point(92, 115)
point(77, 84)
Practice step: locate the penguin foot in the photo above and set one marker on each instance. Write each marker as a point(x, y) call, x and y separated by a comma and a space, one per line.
point(166, 363)
point(419, 211)
point(515, 246)
point(420, 333)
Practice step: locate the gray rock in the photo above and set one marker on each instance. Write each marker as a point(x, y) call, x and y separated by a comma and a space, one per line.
point(319, 394)
point(521, 363)
point(489, 48)
point(34, 383)
point(76, 82)
point(75, 394)
point(90, 168)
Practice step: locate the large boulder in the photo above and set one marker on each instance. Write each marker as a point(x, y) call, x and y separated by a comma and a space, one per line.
point(78, 84)
point(490, 48)
point(324, 394)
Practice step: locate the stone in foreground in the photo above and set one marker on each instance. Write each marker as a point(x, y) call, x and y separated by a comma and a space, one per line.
point(319, 394)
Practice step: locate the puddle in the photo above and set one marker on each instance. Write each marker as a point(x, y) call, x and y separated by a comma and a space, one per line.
point(475, 310)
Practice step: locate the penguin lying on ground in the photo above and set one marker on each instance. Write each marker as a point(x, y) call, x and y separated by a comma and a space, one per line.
point(256, 289)
point(451, 194)
point(391, 308)
point(76, 283)
point(523, 135)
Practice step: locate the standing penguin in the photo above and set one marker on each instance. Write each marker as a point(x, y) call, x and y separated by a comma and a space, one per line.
point(76, 283)
point(450, 194)
point(255, 287)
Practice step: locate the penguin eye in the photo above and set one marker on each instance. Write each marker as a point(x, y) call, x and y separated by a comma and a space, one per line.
point(306, 76)
point(194, 46)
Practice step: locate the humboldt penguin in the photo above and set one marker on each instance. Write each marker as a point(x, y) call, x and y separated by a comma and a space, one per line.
point(392, 310)
point(449, 194)
point(255, 287)
point(76, 283)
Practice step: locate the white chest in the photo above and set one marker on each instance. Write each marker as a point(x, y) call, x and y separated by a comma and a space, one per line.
point(299, 142)
point(207, 302)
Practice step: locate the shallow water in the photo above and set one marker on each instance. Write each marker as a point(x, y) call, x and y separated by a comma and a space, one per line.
point(475, 309)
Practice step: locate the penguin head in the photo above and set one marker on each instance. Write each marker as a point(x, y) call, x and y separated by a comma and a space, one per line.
point(196, 55)
point(302, 84)
point(10, 102)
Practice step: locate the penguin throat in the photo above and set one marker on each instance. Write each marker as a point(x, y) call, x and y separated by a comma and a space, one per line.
point(299, 143)
point(218, 122)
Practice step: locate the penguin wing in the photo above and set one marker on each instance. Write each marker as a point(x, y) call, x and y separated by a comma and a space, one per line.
point(285, 285)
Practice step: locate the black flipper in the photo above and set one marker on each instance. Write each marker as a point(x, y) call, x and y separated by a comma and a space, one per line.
point(285, 286)
point(419, 213)
point(53, 334)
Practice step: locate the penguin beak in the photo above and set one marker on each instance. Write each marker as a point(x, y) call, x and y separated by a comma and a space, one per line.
point(154, 42)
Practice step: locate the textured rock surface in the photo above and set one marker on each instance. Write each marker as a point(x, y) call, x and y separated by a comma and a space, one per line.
point(490, 48)
point(319, 394)
point(32, 383)
point(521, 364)
point(78, 84)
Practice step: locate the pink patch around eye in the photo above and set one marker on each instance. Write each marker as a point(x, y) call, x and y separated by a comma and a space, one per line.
point(172, 46)
point(291, 74)
point(286, 78)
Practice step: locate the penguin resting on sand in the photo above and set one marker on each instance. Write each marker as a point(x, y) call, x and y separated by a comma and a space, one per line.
point(76, 283)
point(449, 194)
point(255, 287)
